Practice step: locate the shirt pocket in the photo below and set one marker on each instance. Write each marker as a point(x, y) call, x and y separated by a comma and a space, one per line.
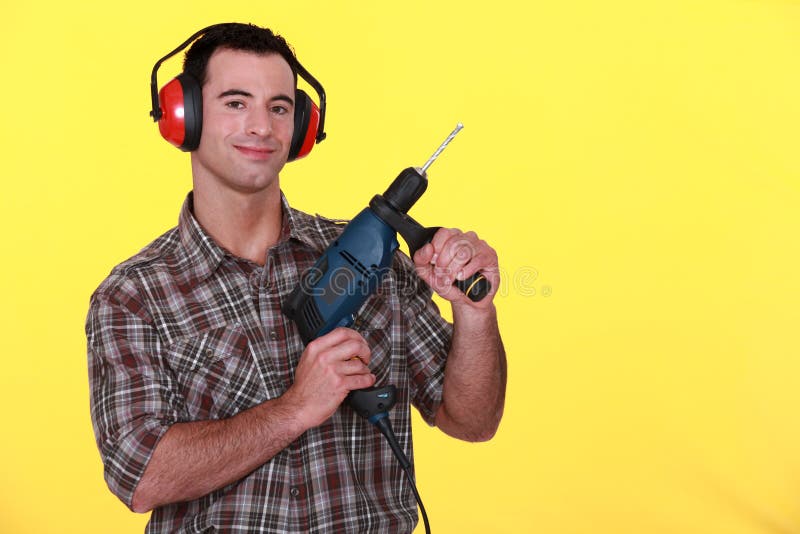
point(216, 374)
point(374, 322)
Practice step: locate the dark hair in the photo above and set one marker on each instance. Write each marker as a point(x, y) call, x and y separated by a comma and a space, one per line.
point(235, 36)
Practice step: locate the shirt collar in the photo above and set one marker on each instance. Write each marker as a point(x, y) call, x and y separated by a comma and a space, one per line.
point(205, 255)
point(302, 227)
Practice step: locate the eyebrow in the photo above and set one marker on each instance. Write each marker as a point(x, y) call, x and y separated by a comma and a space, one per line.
point(241, 92)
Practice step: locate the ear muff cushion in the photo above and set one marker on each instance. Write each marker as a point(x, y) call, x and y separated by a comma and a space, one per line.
point(306, 122)
point(192, 111)
point(181, 104)
point(311, 132)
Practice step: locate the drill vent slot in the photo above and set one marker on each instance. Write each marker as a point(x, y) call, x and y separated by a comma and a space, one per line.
point(311, 315)
point(355, 263)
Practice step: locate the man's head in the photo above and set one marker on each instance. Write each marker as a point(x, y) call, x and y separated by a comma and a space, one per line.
point(177, 107)
point(234, 105)
point(235, 36)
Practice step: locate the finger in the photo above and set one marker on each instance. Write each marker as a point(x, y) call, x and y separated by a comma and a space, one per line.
point(459, 247)
point(353, 366)
point(358, 381)
point(465, 254)
point(439, 240)
point(347, 350)
point(332, 338)
point(323, 342)
point(425, 268)
point(484, 260)
point(458, 251)
point(423, 256)
point(359, 359)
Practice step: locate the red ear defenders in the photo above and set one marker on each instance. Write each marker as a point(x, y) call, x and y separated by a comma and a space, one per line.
point(178, 109)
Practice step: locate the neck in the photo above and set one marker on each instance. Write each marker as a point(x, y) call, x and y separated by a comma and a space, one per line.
point(246, 224)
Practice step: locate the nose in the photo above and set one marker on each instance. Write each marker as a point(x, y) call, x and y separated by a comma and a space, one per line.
point(259, 123)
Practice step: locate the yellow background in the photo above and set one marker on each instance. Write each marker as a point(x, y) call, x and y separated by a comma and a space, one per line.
point(635, 163)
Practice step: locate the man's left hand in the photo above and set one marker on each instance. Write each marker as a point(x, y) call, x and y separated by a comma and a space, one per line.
point(454, 255)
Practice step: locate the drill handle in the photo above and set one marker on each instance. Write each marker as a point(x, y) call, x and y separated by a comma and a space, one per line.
point(475, 287)
point(417, 236)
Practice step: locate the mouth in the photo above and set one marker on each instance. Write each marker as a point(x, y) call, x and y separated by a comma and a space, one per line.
point(254, 152)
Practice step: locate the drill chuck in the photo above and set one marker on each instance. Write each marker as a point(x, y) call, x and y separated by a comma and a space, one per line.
point(406, 189)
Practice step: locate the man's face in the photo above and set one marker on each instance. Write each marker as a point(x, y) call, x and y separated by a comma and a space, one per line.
point(248, 121)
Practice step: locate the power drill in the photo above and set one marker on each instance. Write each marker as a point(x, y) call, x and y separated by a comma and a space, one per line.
point(349, 272)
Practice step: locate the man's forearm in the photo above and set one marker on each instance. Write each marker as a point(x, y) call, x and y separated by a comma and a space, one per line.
point(475, 377)
point(193, 459)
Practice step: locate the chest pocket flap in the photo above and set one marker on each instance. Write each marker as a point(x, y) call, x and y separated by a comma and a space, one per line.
point(216, 374)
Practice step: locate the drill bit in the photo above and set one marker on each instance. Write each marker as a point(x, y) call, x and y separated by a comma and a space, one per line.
point(446, 142)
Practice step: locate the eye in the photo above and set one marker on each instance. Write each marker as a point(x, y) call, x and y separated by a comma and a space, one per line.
point(234, 104)
point(279, 110)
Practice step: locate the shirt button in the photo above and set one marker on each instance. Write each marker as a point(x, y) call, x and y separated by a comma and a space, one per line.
point(254, 276)
point(294, 492)
point(273, 335)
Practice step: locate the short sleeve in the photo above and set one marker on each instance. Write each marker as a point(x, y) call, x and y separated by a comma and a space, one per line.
point(428, 337)
point(132, 394)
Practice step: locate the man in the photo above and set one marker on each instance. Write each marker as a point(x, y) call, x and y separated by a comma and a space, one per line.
point(207, 407)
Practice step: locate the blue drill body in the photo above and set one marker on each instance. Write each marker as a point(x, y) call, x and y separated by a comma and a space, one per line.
point(347, 273)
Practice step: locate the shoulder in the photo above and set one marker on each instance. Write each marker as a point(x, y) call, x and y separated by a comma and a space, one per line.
point(124, 280)
point(316, 230)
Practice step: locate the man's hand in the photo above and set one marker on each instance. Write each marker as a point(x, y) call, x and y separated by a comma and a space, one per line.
point(329, 368)
point(454, 255)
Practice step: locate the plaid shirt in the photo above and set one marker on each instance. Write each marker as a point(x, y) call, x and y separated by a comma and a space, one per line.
point(185, 331)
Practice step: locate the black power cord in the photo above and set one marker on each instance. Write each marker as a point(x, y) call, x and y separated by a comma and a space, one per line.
point(385, 426)
point(374, 404)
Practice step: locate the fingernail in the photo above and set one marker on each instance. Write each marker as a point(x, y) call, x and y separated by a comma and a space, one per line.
point(433, 259)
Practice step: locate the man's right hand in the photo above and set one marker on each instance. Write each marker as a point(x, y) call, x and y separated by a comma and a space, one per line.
point(330, 367)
